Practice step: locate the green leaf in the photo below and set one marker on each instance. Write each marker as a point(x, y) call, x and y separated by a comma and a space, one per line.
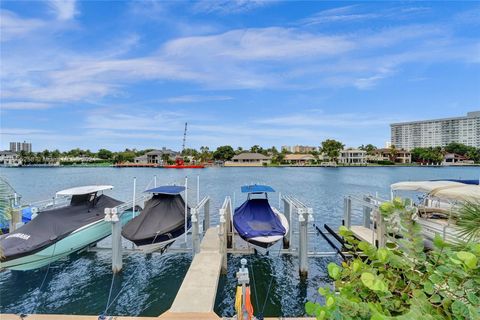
point(428, 287)
point(356, 265)
point(387, 208)
point(323, 291)
point(436, 298)
point(333, 270)
point(459, 309)
point(438, 241)
point(330, 301)
point(473, 298)
point(310, 307)
point(436, 279)
point(468, 258)
point(368, 279)
point(382, 254)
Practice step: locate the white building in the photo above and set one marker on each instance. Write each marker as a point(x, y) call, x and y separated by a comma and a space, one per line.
point(437, 133)
point(353, 156)
point(21, 146)
point(248, 159)
point(9, 159)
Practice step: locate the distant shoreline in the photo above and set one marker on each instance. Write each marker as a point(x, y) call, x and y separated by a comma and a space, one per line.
point(269, 166)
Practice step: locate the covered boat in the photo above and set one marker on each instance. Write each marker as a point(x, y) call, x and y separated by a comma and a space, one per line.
point(58, 232)
point(256, 221)
point(162, 220)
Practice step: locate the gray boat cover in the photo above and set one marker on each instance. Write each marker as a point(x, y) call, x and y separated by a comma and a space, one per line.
point(162, 213)
point(53, 225)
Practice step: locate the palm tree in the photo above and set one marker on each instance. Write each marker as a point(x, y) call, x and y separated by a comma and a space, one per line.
point(393, 153)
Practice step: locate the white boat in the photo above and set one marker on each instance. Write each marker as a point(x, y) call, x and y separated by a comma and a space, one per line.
point(439, 200)
point(58, 232)
point(257, 222)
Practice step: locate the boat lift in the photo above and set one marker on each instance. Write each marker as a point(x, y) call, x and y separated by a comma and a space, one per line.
point(300, 240)
point(200, 224)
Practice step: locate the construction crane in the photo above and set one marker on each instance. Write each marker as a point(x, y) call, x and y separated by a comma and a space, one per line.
point(184, 137)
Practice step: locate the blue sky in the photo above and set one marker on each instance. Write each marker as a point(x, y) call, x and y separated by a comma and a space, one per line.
point(129, 74)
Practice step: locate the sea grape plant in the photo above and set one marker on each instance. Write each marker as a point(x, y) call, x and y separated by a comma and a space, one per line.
point(402, 280)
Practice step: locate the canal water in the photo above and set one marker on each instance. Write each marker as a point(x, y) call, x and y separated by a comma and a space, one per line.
point(80, 283)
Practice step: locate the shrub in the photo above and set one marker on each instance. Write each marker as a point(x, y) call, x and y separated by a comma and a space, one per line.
point(402, 281)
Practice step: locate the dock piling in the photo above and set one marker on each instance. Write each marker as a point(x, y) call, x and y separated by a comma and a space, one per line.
point(303, 238)
point(366, 212)
point(111, 215)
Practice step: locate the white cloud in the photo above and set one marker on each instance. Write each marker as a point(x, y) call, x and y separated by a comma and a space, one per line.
point(12, 26)
point(195, 98)
point(229, 6)
point(24, 105)
point(63, 9)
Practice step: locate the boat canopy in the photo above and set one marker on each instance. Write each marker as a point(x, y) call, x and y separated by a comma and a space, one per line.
point(255, 218)
point(167, 190)
point(53, 225)
point(257, 188)
point(464, 181)
point(83, 190)
point(163, 213)
point(467, 192)
point(424, 186)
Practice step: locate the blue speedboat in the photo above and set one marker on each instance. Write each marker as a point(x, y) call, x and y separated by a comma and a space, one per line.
point(256, 221)
point(58, 232)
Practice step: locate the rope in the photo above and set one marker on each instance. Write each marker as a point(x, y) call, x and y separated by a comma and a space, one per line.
point(254, 285)
point(260, 316)
point(109, 304)
point(45, 277)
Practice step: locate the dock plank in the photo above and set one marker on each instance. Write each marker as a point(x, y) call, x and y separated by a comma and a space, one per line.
point(364, 234)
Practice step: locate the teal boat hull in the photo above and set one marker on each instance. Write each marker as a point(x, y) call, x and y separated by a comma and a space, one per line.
point(74, 242)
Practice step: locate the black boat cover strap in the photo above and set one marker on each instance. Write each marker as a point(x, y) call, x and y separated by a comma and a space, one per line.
point(255, 218)
point(162, 213)
point(53, 225)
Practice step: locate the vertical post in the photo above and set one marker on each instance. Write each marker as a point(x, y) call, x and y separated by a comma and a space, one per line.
point(134, 195)
point(206, 215)
point(186, 209)
point(380, 229)
point(287, 212)
point(347, 212)
point(117, 262)
point(366, 212)
point(195, 238)
point(15, 219)
point(198, 189)
point(229, 224)
point(155, 181)
point(279, 200)
point(303, 247)
point(223, 240)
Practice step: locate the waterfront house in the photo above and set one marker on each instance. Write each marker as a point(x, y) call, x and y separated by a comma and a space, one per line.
point(141, 159)
point(455, 159)
point(156, 156)
point(385, 154)
point(299, 159)
point(10, 159)
point(248, 159)
point(353, 156)
point(299, 149)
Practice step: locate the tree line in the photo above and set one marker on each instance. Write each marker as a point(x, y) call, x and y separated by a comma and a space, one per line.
point(330, 148)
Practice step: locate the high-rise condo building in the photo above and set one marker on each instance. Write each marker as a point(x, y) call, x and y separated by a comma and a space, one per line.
point(437, 133)
point(20, 146)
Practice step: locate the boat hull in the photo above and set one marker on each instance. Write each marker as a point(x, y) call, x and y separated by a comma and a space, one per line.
point(77, 240)
point(262, 244)
point(160, 243)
